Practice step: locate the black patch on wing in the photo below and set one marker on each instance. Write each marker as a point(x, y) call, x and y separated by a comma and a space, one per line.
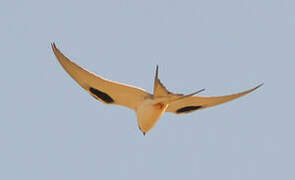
point(101, 95)
point(188, 109)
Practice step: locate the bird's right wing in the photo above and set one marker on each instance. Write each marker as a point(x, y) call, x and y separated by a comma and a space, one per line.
point(192, 103)
point(104, 90)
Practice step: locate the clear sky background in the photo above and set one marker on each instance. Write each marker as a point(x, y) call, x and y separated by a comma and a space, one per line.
point(50, 128)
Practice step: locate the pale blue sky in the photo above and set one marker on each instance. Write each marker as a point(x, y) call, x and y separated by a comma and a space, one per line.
point(50, 128)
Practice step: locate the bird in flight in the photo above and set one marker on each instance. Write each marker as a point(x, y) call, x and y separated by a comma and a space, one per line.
point(148, 107)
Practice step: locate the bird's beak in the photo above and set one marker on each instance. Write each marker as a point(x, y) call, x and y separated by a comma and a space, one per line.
point(143, 133)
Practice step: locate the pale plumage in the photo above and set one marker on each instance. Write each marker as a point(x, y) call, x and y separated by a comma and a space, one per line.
point(148, 107)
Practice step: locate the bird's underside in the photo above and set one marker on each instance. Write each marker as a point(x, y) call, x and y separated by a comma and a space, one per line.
point(148, 107)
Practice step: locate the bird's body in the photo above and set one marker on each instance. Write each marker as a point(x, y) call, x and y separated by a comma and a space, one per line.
point(148, 113)
point(148, 107)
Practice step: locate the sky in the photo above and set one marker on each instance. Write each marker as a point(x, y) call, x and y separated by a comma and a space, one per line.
point(50, 128)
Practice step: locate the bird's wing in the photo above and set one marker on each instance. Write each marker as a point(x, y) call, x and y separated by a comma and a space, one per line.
point(104, 90)
point(192, 103)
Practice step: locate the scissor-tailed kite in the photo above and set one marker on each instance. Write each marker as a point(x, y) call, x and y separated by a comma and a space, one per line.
point(148, 107)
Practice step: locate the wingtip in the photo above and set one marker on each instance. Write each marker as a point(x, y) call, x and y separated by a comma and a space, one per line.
point(253, 89)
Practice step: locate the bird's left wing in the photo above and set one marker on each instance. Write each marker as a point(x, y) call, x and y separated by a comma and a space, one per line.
point(192, 103)
point(104, 90)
